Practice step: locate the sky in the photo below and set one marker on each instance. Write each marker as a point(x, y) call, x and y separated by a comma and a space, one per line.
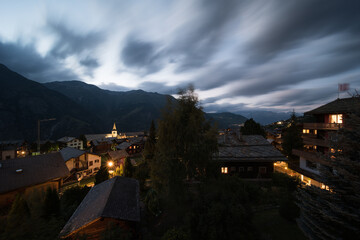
point(239, 55)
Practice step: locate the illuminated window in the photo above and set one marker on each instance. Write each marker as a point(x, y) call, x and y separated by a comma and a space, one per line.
point(224, 170)
point(315, 147)
point(332, 150)
point(315, 131)
point(335, 118)
point(306, 130)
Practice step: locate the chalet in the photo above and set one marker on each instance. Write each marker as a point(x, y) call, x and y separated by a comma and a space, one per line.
point(70, 142)
point(13, 149)
point(30, 173)
point(102, 145)
point(317, 135)
point(113, 201)
point(118, 157)
point(79, 162)
point(249, 156)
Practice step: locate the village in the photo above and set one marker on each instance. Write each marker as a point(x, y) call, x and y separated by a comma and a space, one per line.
point(122, 197)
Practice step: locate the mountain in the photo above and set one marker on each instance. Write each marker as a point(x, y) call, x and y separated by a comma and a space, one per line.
point(23, 102)
point(266, 117)
point(131, 110)
point(226, 119)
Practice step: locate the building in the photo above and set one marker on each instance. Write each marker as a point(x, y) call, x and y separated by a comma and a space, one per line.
point(13, 149)
point(116, 200)
point(71, 142)
point(117, 157)
point(80, 163)
point(30, 173)
point(317, 135)
point(249, 156)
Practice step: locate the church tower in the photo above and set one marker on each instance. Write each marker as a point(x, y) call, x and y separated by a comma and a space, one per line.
point(114, 131)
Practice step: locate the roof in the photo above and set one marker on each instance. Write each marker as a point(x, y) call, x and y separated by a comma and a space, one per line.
point(118, 154)
point(344, 105)
point(66, 139)
point(69, 152)
point(91, 137)
point(123, 146)
point(254, 148)
point(35, 170)
point(116, 198)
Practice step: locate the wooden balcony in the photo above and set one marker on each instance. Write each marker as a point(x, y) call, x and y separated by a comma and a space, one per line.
point(323, 126)
point(315, 141)
point(311, 156)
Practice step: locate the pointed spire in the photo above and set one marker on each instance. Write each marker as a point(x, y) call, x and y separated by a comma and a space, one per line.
point(114, 127)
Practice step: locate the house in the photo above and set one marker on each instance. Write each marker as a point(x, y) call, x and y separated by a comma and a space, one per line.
point(118, 157)
point(30, 173)
point(102, 145)
point(13, 149)
point(248, 156)
point(100, 137)
point(132, 146)
point(70, 142)
point(79, 162)
point(317, 134)
point(113, 201)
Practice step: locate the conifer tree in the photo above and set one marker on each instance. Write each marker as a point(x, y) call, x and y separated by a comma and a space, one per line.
point(292, 136)
point(335, 214)
point(185, 144)
point(252, 128)
point(150, 144)
point(128, 168)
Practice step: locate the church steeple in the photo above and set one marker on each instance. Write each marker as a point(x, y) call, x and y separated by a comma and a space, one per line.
point(114, 131)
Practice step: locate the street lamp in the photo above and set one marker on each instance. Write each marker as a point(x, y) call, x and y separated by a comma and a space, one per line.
point(110, 163)
point(42, 120)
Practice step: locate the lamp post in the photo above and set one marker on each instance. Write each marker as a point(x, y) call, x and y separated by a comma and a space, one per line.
point(42, 120)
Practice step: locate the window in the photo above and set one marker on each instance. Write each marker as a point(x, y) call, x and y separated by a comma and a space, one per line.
point(306, 130)
point(310, 165)
point(97, 160)
point(241, 169)
point(335, 118)
point(90, 163)
point(232, 169)
point(262, 169)
point(315, 132)
point(224, 170)
point(249, 169)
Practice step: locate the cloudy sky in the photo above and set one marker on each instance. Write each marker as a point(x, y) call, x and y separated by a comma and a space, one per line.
point(270, 54)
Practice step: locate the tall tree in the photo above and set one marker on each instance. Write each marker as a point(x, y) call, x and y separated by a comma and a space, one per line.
point(335, 214)
point(185, 144)
point(292, 136)
point(252, 128)
point(128, 168)
point(150, 144)
point(102, 175)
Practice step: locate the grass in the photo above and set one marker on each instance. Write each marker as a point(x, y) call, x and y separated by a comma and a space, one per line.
point(273, 226)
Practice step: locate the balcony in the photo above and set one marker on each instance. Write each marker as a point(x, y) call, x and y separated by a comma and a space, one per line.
point(311, 156)
point(324, 126)
point(315, 141)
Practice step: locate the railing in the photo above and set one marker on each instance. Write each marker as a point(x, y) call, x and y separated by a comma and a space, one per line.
point(326, 126)
point(311, 156)
point(315, 141)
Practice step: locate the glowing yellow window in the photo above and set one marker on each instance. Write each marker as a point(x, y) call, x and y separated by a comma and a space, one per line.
point(315, 131)
point(224, 170)
point(306, 131)
point(336, 118)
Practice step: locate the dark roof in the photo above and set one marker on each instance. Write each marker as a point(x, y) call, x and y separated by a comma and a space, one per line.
point(344, 105)
point(69, 152)
point(90, 137)
point(116, 198)
point(254, 148)
point(66, 139)
point(123, 146)
point(114, 155)
point(35, 170)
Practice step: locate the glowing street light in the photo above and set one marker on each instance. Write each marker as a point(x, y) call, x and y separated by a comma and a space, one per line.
point(110, 163)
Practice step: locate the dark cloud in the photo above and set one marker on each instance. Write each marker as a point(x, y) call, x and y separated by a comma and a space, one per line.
point(69, 43)
point(296, 22)
point(25, 60)
point(198, 40)
point(141, 55)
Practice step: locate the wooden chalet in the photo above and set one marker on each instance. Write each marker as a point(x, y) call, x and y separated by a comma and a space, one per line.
point(27, 174)
point(113, 201)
